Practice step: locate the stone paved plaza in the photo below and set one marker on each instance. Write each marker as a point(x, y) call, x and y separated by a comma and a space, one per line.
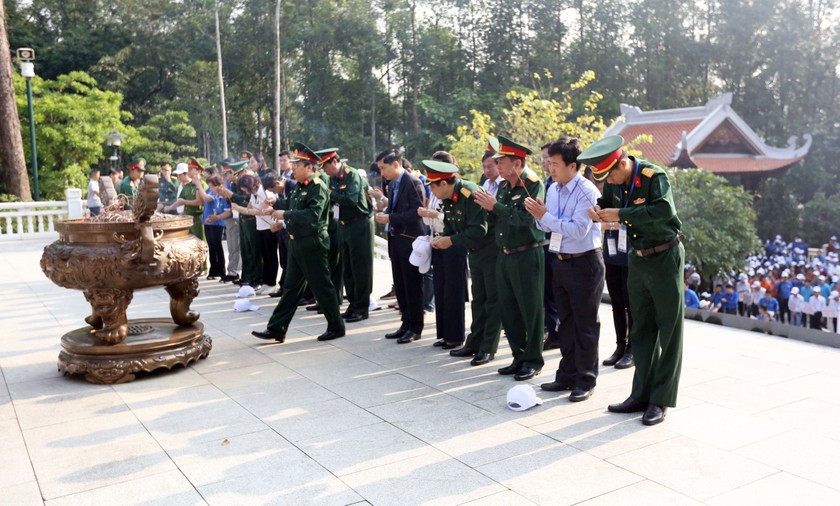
point(362, 420)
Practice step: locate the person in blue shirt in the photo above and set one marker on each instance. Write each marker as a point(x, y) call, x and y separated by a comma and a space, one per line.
point(216, 212)
point(717, 296)
point(729, 300)
point(691, 299)
point(782, 289)
point(769, 303)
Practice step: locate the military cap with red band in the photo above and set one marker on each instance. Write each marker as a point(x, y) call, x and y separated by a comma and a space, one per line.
point(325, 155)
point(245, 155)
point(439, 171)
point(302, 153)
point(603, 156)
point(138, 163)
point(502, 146)
point(193, 164)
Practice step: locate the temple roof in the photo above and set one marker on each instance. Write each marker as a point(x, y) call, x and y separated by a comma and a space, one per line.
point(712, 136)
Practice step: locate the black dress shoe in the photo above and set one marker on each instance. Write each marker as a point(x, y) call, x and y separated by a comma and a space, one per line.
point(269, 334)
point(313, 307)
point(450, 346)
point(481, 358)
point(395, 334)
point(331, 334)
point(346, 314)
point(389, 295)
point(462, 352)
point(510, 370)
point(277, 293)
point(626, 361)
point(615, 357)
point(526, 373)
point(581, 394)
point(408, 337)
point(654, 414)
point(631, 405)
point(241, 282)
point(550, 344)
point(438, 343)
point(556, 386)
point(355, 317)
point(303, 301)
point(212, 278)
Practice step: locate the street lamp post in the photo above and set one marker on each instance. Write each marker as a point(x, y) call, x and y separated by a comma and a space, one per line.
point(27, 70)
point(114, 140)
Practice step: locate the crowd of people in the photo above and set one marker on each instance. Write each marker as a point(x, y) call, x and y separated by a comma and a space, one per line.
point(788, 283)
point(535, 255)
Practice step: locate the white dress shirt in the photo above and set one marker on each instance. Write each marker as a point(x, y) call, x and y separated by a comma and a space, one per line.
point(567, 214)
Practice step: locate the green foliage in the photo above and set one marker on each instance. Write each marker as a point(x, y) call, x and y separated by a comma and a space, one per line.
point(533, 118)
point(165, 138)
point(777, 209)
point(72, 116)
point(820, 219)
point(718, 221)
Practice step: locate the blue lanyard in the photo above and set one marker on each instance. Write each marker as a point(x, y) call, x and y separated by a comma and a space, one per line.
point(571, 194)
point(632, 184)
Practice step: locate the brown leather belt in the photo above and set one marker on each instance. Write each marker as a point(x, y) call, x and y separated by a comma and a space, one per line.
point(520, 249)
point(645, 252)
point(569, 256)
point(354, 220)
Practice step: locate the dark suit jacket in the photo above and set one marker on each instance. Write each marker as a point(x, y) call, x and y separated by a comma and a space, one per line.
point(404, 219)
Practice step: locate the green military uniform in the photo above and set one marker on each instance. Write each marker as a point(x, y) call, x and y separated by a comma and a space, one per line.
point(334, 259)
point(190, 192)
point(349, 191)
point(655, 277)
point(129, 189)
point(520, 267)
point(167, 193)
point(466, 224)
point(306, 220)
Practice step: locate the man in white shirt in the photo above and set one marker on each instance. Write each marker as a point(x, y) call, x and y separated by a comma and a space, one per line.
point(94, 203)
point(491, 173)
point(577, 267)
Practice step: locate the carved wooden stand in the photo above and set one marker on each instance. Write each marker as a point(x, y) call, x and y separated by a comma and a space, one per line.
point(151, 343)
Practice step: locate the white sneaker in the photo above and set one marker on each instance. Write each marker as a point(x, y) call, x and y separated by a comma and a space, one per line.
point(373, 306)
point(265, 289)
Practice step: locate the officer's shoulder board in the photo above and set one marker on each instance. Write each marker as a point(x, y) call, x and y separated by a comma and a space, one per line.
point(648, 172)
point(532, 177)
point(317, 180)
point(466, 192)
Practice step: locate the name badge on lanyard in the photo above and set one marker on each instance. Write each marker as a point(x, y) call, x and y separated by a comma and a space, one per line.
point(335, 211)
point(612, 249)
point(556, 241)
point(622, 239)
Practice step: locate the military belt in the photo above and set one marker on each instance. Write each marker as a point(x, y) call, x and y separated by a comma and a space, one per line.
point(354, 220)
point(569, 256)
point(645, 252)
point(520, 249)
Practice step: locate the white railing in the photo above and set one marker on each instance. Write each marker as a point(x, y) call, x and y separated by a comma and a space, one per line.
point(32, 220)
point(380, 247)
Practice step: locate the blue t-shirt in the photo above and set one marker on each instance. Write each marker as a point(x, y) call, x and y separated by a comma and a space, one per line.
point(218, 205)
point(691, 299)
point(783, 289)
point(769, 305)
point(730, 300)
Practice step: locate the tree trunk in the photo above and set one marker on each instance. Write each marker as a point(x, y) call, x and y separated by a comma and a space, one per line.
point(11, 143)
point(278, 63)
point(221, 84)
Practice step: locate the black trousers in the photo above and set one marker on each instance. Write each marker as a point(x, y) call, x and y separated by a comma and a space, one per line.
point(616, 278)
point(283, 253)
point(408, 283)
point(216, 252)
point(450, 281)
point(267, 247)
point(578, 286)
point(783, 310)
point(549, 305)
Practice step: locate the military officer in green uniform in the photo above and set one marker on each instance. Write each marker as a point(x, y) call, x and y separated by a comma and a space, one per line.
point(167, 189)
point(465, 226)
point(305, 214)
point(522, 262)
point(637, 202)
point(334, 257)
point(193, 197)
point(130, 184)
point(349, 198)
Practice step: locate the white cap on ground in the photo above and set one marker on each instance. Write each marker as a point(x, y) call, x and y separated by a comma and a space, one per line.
point(242, 305)
point(522, 397)
point(246, 291)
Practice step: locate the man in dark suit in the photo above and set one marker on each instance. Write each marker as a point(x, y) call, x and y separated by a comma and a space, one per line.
point(406, 195)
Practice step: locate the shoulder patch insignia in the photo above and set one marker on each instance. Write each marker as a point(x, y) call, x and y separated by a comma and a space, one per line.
point(317, 180)
point(648, 172)
point(465, 192)
point(532, 177)
point(640, 200)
